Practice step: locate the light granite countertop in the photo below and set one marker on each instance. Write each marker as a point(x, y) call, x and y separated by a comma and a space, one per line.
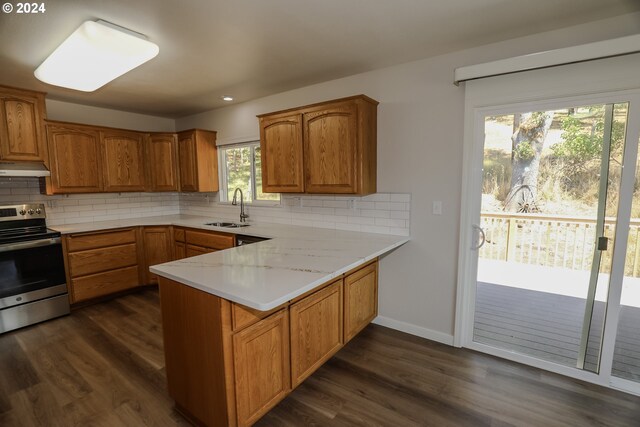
point(267, 274)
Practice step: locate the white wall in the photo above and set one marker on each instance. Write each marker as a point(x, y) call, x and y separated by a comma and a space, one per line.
point(77, 113)
point(420, 140)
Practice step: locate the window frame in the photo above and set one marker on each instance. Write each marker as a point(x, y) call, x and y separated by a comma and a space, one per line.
point(224, 197)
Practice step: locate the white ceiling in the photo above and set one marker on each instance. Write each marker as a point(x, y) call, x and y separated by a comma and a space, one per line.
point(253, 48)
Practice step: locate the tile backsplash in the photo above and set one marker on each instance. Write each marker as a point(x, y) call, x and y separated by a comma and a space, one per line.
point(386, 213)
point(77, 208)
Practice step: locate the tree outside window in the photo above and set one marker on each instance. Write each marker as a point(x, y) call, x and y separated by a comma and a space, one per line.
point(242, 168)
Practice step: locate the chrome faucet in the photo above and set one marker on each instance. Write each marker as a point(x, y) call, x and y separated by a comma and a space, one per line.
point(243, 216)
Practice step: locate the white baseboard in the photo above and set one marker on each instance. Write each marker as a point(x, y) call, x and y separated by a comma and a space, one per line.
point(414, 330)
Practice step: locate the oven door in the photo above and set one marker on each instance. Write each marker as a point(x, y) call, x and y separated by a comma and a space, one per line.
point(31, 270)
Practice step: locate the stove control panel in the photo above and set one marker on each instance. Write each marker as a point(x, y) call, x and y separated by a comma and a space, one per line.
point(18, 212)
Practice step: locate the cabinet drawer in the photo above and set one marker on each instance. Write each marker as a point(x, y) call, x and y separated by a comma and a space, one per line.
point(210, 240)
point(192, 250)
point(80, 242)
point(100, 284)
point(103, 259)
point(178, 234)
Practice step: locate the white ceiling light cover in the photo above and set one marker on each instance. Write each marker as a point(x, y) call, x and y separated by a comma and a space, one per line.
point(95, 54)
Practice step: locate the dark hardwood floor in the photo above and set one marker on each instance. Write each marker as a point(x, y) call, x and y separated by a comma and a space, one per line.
point(103, 366)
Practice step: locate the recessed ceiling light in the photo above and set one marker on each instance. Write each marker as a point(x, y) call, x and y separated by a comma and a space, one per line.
point(227, 98)
point(95, 54)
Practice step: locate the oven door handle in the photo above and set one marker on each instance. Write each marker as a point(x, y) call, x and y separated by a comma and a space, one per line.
point(29, 244)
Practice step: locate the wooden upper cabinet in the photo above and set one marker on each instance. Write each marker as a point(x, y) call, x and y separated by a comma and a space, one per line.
point(336, 141)
point(198, 160)
point(123, 160)
point(330, 149)
point(75, 158)
point(282, 156)
point(162, 162)
point(22, 133)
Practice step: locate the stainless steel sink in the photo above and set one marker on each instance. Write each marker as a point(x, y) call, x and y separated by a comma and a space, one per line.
point(227, 224)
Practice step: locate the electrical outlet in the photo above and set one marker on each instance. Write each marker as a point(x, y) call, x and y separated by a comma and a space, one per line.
point(437, 207)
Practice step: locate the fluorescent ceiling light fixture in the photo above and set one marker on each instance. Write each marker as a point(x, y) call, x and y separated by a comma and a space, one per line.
point(95, 54)
point(226, 98)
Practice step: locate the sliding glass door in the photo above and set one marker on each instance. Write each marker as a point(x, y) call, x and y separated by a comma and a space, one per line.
point(551, 192)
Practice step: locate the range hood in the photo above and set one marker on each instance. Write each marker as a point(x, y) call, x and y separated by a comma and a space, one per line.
point(23, 169)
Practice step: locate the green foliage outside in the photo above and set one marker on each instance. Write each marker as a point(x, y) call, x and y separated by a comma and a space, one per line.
point(568, 181)
point(239, 174)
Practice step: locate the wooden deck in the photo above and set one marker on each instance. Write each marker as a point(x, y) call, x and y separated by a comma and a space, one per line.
point(548, 326)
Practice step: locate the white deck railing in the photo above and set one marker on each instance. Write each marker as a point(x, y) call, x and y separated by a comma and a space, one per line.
point(554, 241)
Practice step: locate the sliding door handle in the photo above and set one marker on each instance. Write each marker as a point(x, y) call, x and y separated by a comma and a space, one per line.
point(482, 236)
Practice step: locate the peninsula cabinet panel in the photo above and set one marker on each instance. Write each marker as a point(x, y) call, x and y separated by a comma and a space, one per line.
point(22, 133)
point(194, 353)
point(123, 160)
point(330, 149)
point(360, 299)
point(198, 160)
point(157, 249)
point(316, 331)
point(162, 162)
point(75, 159)
point(282, 157)
point(261, 363)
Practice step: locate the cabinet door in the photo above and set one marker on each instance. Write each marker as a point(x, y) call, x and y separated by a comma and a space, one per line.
point(157, 249)
point(281, 150)
point(180, 250)
point(188, 163)
point(316, 331)
point(360, 299)
point(162, 164)
point(21, 127)
point(261, 362)
point(123, 160)
point(75, 159)
point(330, 148)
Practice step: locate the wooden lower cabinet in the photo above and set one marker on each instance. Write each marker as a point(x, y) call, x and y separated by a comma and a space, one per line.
point(102, 263)
point(316, 331)
point(261, 362)
point(360, 299)
point(157, 249)
point(193, 250)
point(179, 250)
point(227, 365)
point(192, 242)
point(100, 284)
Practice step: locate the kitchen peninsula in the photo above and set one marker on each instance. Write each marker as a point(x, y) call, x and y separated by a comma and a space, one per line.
point(245, 326)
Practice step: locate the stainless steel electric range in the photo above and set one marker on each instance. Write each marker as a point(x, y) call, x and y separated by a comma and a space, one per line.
point(32, 279)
